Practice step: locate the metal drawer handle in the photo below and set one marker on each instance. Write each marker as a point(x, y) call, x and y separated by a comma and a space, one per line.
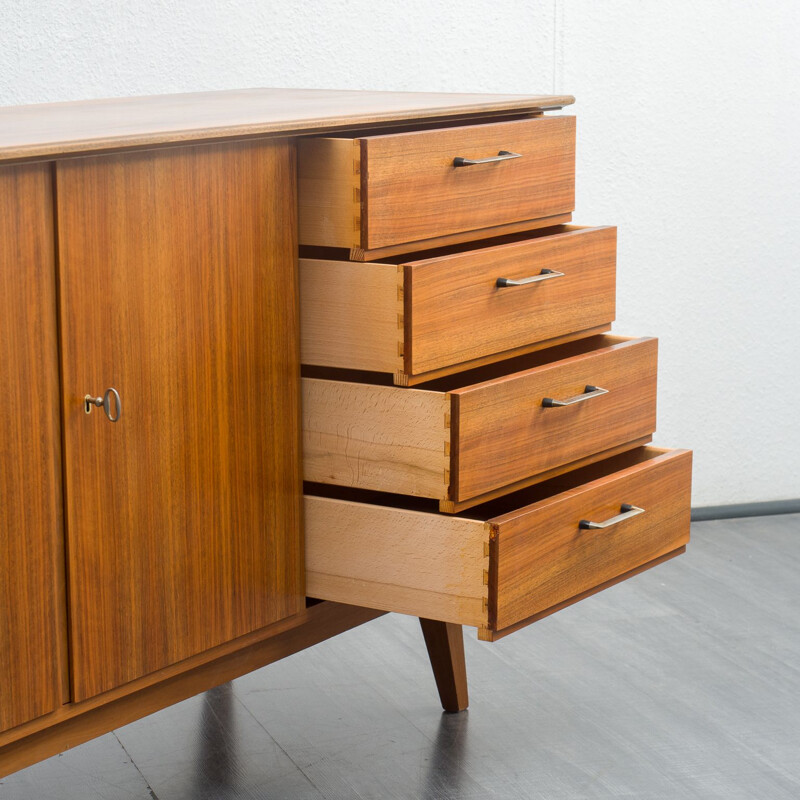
point(503, 155)
point(627, 511)
point(544, 275)
point(104, 402)
point(589, 391)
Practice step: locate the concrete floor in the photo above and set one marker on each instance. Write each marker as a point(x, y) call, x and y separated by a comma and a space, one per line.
point(683, 682)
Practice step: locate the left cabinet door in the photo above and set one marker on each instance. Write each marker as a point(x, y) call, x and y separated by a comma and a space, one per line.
point(178, 290)
point(31, 543)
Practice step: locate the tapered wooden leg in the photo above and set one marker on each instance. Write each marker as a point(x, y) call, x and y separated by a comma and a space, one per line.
point(445, 643)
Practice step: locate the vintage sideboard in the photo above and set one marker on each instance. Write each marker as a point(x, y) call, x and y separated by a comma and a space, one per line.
point(275, 362)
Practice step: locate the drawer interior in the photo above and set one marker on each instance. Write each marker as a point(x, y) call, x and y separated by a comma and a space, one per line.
point(479, 374)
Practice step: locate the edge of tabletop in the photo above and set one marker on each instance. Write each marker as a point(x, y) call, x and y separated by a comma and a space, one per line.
point(85, 127)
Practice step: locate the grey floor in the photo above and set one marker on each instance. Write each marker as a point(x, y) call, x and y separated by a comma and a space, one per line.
point(681, 683)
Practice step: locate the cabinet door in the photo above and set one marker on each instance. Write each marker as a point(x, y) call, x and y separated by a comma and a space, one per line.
point(178, 290)
point(31, 544)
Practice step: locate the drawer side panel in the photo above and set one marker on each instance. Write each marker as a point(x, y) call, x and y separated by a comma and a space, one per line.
point(397, 560)
point(351, 315)
point(383, 438)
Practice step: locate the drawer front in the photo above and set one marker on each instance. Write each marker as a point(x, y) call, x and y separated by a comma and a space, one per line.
point(505, 432)
point(456, 312)
point(412, 191)
point(541, 556)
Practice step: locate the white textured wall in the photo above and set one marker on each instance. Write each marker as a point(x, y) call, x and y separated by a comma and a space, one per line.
point(688, 121)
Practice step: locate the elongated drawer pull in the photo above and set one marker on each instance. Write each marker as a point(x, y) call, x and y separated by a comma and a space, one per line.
point(589, 391)
point(544, 275)
point(503, 155)
point(626, 512)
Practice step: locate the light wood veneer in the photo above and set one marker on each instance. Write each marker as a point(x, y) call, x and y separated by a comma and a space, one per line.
point(91, 126)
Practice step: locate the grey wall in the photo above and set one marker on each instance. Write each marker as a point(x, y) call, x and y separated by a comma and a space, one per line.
point(688, 120)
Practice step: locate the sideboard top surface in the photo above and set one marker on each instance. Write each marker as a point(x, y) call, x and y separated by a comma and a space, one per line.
point(91, 126)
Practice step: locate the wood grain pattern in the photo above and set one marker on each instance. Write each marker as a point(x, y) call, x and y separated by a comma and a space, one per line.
point(490, 635)
point(376, 437)
point(329, 192)
point(31, 536)
point(456, 312)
point(540, 557)
point(179, 290)
point(445, 644)
point(503, 433)
point(351, 315)
point(48, 129)
point(76, 723)
point(412, 191)
point(428, 565)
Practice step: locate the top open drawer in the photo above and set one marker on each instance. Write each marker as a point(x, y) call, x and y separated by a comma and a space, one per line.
point(391, 193)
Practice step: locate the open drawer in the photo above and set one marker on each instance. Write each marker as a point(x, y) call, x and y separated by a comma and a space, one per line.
point(466, 438)
point(393, 192)
point(435, 312)
point(508, 562)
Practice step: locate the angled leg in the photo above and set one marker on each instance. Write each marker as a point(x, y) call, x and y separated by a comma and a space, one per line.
point(445, 643)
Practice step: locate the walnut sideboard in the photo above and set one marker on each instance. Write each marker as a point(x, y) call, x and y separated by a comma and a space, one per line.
point(181, 502)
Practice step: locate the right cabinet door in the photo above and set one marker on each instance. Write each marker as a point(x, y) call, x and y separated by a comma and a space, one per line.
point(178, 292)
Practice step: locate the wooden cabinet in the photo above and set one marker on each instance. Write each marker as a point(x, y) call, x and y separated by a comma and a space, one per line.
point(183, 520)
point(32, 631)
point(464, 409)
